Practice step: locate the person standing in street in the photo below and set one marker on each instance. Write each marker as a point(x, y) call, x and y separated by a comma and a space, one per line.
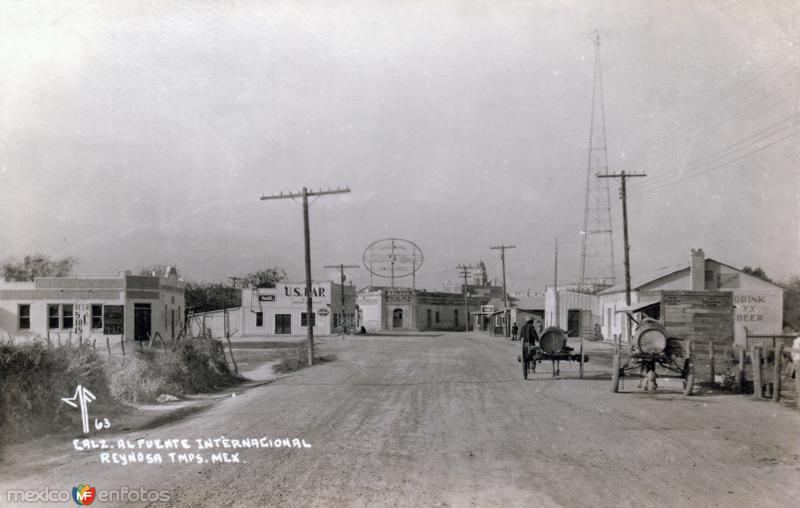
point(514, 330)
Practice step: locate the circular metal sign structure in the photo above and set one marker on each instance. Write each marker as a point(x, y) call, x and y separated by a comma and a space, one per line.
point(392, 258)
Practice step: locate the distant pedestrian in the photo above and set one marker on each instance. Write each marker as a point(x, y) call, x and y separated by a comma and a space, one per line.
point(514, 330)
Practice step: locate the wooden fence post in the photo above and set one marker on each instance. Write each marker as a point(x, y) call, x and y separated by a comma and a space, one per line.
point(108, 346)
point(755, 360)
point(797, 383)
point(740, 370)
point(711, 362)
point(776, 389)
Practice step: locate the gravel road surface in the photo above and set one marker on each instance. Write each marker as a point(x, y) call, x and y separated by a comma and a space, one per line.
point(448, 421)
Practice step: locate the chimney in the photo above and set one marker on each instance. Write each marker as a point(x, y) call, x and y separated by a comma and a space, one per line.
point(697, 270)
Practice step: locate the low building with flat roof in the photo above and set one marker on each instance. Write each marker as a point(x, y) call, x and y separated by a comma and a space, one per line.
point(84, 307)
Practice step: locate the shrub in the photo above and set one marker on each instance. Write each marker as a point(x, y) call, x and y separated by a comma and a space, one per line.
point(34, 378)
point(296, 358)
point(192, 366)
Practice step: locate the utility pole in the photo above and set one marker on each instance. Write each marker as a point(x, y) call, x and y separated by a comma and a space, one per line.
point(555, 287)
point(464, 274)
point(341, 268)
point(506, 313)
point(307, 237)
point(623, 195)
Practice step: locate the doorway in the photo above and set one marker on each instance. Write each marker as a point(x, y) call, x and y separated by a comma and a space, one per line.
point(141, 321)
point(573, 322)
point(283, 324)
point(397, 318)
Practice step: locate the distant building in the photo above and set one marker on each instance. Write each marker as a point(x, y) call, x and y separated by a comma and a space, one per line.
point(282, 310)
point(385, 308)
point(79, 308)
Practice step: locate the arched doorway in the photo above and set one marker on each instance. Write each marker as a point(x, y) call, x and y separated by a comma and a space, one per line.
point(397, 318)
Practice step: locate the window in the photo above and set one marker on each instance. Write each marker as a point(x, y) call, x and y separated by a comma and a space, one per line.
point(97, 316)
point(113, 319)
point(304, 319)
point(24, 317)
point(52, 316)
point(66, 316)
point(437, 316)
point(259, 319)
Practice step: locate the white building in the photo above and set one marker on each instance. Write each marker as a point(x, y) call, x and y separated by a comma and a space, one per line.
point(282, 311)
point(79, 308)
point(758, 304)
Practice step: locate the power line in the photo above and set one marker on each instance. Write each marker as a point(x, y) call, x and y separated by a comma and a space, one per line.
point(719, 154)
point(733, 112)
point(706, 170)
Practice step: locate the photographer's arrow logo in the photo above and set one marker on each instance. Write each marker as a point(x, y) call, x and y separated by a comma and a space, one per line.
point(83, 397)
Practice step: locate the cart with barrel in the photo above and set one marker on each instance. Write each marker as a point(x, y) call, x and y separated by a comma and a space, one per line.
point(654, 354)
point(552, 346)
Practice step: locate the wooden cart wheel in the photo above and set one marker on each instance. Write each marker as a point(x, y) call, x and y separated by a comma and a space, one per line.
point(615, 368)
point(688, 376)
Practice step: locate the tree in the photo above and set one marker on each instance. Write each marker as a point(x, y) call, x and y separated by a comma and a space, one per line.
point(263, 278)
point(37, 265)
point(205, 297)
point(756, 272)
point(208, 296)
point(791, 303)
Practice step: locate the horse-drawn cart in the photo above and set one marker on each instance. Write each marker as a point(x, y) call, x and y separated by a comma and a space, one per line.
point(653, 348)
point(552, 346)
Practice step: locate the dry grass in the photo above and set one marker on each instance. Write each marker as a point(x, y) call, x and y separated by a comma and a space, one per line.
point(34, 378)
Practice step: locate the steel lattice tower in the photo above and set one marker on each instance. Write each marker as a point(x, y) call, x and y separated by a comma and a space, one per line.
point(597, 256)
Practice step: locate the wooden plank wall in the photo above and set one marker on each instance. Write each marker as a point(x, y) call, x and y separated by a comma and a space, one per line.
point(699, 315)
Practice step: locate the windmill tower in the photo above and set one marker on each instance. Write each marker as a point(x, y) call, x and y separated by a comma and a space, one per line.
point(597, 256)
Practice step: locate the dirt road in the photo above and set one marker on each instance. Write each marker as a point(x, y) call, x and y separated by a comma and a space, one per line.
point(448, 421)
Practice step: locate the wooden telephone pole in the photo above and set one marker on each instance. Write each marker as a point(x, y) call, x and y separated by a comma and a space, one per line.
point(623, 196)
point(341, 268)
point(464, 274)
point(506, 313)
point(304, 194)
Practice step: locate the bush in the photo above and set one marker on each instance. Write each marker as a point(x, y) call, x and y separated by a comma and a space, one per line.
point(192, 366)
point(34, 378)
point(296, 358)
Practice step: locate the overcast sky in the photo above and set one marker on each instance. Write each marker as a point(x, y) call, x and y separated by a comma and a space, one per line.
point(145, 132)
